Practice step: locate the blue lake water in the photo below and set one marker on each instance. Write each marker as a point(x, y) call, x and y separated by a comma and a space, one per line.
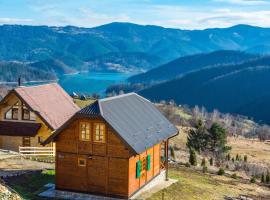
point(91, 82)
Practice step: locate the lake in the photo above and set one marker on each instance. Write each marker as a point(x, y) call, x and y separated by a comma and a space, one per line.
point(91, 82)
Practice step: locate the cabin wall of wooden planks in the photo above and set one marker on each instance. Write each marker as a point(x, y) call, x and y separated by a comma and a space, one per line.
point(106, 170)
point(146, 175)
point(110, 167)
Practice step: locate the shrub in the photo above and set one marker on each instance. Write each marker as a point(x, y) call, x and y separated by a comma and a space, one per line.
point(245, 158)
point(192, 157)
point(204, 169)
point(211, 161)
point(267, 177)
point(237, 157)
point(229, 157)
point(253, 179)
point(221, 172)
point(187, 164)
point(234, 176)
point(262, 178)
point(172, 152)
point(227, 166)
point(232, 159)
point(203, 162)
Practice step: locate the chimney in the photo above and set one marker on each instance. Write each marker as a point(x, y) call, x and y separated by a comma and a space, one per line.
point(19, 81)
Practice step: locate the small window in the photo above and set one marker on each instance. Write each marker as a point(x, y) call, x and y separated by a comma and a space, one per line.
point(27, 114)
point(82, 162)
point(85, 131)
point(99, 130)
point(26, 141)
point(13, 112)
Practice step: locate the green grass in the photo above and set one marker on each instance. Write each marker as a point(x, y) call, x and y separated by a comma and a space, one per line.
point(28, 186)
point(183, 114)
point(83, 103)
point(193, 185)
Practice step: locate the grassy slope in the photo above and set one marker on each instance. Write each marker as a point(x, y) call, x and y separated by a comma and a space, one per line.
point(194, 185)
point(28, 186)
point(83, 103)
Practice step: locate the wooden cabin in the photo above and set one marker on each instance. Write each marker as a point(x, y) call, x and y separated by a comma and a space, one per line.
point(112, 147)
point(29, 115)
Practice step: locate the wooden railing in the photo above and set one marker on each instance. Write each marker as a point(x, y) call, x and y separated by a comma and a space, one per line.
point(37, 151)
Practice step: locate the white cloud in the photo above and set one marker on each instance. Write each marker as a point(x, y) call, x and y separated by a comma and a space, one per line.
point(245, 2)
point(6, 20)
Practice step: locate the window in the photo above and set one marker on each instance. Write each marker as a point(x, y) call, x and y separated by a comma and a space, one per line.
point(13, 112)
point(26, 142)
point(27, 114)
point(99, 130)
point(82, 162)
point(85, 131)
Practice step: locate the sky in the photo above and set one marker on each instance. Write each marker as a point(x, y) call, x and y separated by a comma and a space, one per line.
point(183, 14)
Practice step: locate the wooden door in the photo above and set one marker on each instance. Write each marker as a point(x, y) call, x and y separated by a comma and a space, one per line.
point(26, 142)
point(97, 172)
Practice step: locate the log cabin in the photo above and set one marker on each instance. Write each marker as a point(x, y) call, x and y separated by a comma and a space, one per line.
point(112, 147)
point(29, 115)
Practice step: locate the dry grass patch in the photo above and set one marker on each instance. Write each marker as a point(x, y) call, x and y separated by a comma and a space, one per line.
point(193, 185)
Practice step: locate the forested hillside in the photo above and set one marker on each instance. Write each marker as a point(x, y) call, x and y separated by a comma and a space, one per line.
point(186, 64)
point(237, 88)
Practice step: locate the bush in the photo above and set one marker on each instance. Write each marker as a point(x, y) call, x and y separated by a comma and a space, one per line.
point(228, 157)
point(232, 159)
point(203, 162)
point(192, 157)
point(227, 166)
point(267, 177)
point(234, 176)
point(204, 169)
point(211, 161)
point(253, 179)
point(172, 152)
point(262, 178)
point(245, 158)
point(187, 164)
point(221, 172)
point(237, 157)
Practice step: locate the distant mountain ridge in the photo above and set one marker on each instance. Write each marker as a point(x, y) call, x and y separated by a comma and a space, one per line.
point(187, 64)
point(236, 88)
point(87, 48)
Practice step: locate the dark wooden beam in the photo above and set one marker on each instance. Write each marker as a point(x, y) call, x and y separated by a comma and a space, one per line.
point(167, 159)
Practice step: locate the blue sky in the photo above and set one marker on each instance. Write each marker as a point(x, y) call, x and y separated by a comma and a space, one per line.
point(184, 14)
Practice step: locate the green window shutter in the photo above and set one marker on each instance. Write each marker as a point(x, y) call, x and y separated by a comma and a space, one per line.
point(138, 169)
point(148, 162)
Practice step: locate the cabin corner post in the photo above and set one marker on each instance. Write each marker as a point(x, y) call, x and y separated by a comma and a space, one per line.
point(167, 159)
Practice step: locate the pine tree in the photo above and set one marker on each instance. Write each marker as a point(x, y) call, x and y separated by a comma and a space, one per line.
point(192, 157)
point(245, 158)
point(211, 161)
point(203, 162)
point(237, 157)
point(267, 177)
point(262, 178)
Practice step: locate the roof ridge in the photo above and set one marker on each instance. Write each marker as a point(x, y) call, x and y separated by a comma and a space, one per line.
point(118, 96)
point(31, 86)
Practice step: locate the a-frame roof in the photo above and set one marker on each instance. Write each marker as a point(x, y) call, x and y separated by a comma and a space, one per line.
point(49, 101)
point(135, 119)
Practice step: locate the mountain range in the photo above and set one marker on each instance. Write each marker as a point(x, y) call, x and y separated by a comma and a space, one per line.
point(119, 47)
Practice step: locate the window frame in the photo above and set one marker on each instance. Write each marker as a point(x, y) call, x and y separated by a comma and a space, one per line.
point(85, 134)
point(12, 109)
point(25, 108)
point(103, 140)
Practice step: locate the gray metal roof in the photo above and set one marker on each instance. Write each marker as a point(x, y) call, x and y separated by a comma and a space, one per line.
point(137, 121)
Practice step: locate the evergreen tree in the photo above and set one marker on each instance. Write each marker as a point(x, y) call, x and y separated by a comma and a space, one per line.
point(172, 152)
point(245, 158)
point(217, 140)
point(267, 177)
point(211, 161)
point(262, 178)
point(192, 157)
point(203, 163)
point(237, 157)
